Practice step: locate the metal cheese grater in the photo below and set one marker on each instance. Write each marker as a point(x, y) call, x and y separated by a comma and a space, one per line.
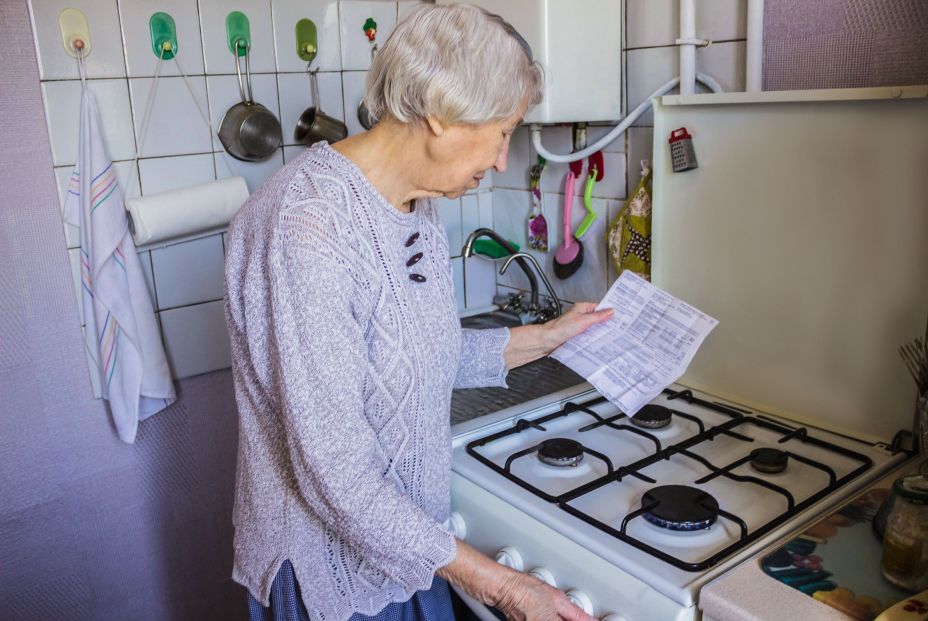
point(682, 154)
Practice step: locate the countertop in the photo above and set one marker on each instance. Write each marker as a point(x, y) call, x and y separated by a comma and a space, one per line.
point(748, 594)
point(536, 379)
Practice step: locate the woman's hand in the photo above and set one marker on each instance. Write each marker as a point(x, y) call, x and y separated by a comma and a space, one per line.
point(526, 598)
point(528, 343)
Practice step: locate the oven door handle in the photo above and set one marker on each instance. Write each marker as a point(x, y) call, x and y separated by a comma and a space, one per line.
point(480, 610)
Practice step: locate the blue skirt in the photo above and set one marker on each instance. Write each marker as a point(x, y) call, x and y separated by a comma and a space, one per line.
point(287, 605)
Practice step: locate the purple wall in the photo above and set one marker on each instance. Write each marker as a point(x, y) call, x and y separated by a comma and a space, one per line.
point(91, 528)
point(844, 43)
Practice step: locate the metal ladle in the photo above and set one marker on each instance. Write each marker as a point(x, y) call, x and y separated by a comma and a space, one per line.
point(314, 124)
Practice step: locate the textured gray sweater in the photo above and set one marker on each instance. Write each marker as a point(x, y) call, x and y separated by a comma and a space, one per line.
point(345, 347)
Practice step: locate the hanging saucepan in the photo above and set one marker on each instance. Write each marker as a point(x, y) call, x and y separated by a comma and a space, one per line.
point(314, 124)
point(248, 131)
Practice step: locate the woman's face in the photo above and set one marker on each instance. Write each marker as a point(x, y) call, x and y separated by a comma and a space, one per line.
point(464, 153)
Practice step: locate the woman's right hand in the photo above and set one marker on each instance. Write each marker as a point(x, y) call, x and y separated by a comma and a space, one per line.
point(523, 597)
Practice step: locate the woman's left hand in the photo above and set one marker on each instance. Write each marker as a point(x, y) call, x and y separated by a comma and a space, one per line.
point(528, 343)
point(581, 316)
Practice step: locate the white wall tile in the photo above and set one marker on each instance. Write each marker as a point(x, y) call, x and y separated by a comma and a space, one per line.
point(286, 13)
point(295, 97)
point(195, 339)
point(188, 272)
point(470, 217)
point(449, 209)
point(353, 89)
point(457, 275)
point(405, 7)
point(105, 59)
point(291, 153)
point(612, 184)
point(145, 260)
point(485, 208)
point(479, 282)
point(62, 111)
point(175, 126)
point(254, 173)
point(356, 49)
point(141, 60)
point(161, 174)
point(657, 22)
point(224, 94)
point(510, 215)
point(219, 58)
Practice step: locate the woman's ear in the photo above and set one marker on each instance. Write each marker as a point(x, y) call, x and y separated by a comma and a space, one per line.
point(435, 126)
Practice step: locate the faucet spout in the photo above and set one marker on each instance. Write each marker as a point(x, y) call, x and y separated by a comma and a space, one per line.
point(524, 255)
point(468, 251)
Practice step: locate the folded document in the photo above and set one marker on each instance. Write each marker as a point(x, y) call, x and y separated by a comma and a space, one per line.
point(645, 347)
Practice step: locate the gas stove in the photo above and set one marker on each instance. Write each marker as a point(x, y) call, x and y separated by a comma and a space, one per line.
point(631, 516)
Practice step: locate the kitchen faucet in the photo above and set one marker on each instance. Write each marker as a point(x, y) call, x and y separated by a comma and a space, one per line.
point(557, 310)
point(520, 258)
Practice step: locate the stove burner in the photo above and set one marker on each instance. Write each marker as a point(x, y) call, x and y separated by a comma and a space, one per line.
point(769, 460)
point(680, 507)
point(652, 417)
point(560, 452)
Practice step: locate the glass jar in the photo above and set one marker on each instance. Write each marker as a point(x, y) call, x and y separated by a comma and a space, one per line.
point(905, 543)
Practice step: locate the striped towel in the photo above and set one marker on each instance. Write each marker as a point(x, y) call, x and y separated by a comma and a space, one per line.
point(121, 333)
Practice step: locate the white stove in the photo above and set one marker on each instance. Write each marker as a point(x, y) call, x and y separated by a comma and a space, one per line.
point(631, 517)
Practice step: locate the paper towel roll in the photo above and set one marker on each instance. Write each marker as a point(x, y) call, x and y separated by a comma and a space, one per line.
point(186, 211)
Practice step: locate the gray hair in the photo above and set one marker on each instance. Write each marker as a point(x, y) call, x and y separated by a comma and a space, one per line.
point(456, 63)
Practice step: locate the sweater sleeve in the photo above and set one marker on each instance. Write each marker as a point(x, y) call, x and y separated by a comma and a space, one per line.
point(321, 359)
point(482, 362)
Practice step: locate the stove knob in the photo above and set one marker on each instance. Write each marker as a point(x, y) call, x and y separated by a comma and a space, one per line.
point(510, 557)
point(544, 575)
point(455, 524)
point(581, 600)
point(614, 617)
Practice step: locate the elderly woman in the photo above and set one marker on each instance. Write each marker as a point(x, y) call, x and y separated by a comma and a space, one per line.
point(346, 343)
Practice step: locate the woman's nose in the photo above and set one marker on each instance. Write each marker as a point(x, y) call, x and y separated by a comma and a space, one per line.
point(500, 164)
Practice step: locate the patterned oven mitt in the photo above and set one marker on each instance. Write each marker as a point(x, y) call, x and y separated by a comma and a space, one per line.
point(629, 235)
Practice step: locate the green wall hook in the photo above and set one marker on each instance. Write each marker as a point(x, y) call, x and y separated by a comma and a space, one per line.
point(163, 35)
point(238, 31)
point(306, 42)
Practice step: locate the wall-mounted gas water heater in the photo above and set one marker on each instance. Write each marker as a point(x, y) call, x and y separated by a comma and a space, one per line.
point(579, 44)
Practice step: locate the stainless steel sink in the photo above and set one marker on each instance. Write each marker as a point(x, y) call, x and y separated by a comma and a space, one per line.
point(530, 381)
point(494, 319)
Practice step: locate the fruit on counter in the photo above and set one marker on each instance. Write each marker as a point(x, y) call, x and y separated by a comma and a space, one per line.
point(861, 607)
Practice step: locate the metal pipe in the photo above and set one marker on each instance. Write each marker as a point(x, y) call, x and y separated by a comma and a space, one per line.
point(619, 129)
point(754, 64)
point(687, 45)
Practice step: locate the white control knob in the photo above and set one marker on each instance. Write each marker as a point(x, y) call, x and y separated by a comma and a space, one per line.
point(581, 600)
point(455, 524)
point(614, 617)
point(544, 575)
point(510, 557)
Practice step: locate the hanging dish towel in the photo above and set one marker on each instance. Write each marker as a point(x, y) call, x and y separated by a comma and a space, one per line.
point(629, 236)
point(121, 333)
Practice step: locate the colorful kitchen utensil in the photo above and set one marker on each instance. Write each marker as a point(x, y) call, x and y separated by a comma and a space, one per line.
point(569, 256)
point(590, 216)
point(537, 225)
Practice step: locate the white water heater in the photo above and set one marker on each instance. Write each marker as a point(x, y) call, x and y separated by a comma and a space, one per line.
point(579, 44)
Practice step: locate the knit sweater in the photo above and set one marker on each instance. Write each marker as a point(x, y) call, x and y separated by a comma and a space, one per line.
point(345, 348)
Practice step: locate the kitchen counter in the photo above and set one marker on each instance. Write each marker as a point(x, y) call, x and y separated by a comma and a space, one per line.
point(747, 593)
point(530, 381)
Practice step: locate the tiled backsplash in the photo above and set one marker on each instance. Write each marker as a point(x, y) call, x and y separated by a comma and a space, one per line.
point(185, 279)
